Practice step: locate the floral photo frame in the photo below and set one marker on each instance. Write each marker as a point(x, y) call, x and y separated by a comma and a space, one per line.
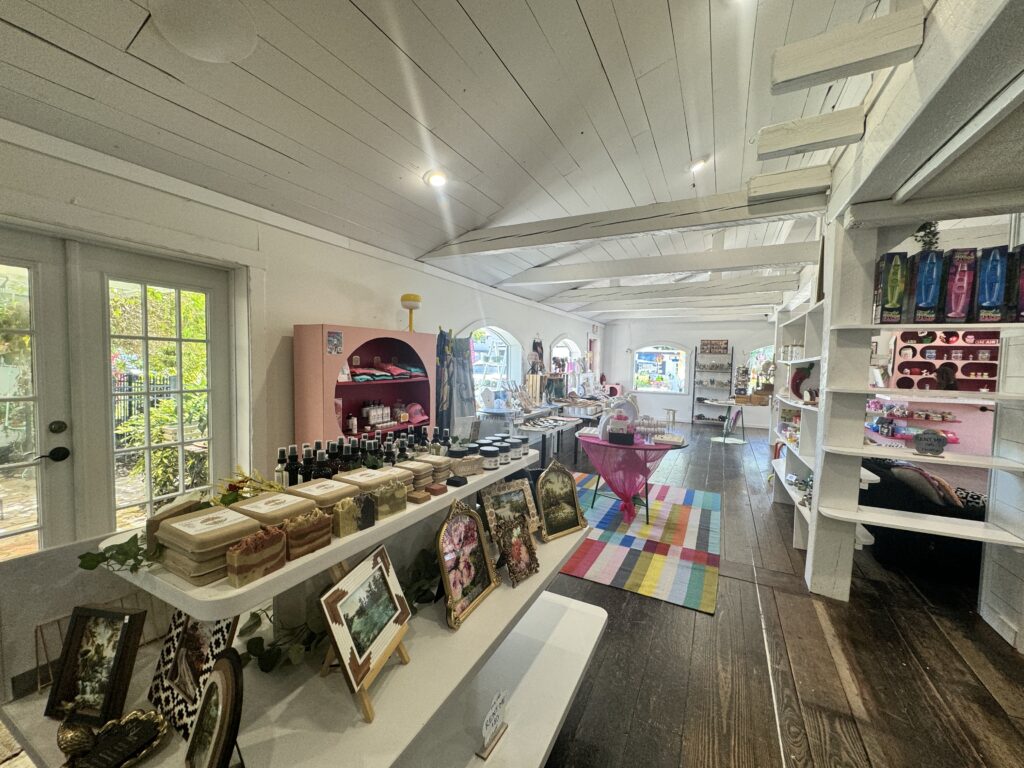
point(516, 544)
point(467, 572)
point(506, 501)
point(560, 512)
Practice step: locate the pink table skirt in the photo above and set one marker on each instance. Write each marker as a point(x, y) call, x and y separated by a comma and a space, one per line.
point(625, 468)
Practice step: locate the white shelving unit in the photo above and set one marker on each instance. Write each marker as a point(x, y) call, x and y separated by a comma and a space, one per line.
point(845, 356)
point(534, 644)
point(803, 326)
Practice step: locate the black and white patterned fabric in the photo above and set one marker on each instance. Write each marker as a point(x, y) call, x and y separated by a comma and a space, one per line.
point(185, 663)
point(972, 500)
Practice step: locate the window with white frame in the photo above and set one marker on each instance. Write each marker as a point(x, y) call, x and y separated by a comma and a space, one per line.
point(660, 368)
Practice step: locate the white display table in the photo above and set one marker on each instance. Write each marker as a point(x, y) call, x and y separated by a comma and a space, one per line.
point(292, 717)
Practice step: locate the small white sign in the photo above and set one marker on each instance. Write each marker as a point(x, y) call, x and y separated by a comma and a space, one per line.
point(495, 717)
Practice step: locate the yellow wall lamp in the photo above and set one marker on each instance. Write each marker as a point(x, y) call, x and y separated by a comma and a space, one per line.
point(411, 301)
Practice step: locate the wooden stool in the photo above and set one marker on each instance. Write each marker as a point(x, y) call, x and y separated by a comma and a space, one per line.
point(670, 415)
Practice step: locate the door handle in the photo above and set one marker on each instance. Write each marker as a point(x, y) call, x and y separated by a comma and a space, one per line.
point(60, 453)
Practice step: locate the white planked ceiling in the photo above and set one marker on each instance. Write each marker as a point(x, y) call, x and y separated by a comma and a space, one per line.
point(536, 109)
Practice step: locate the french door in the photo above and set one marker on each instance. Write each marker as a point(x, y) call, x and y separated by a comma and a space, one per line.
point(130, 376)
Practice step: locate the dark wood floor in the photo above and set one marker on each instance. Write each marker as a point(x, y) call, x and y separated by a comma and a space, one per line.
point(904, 674)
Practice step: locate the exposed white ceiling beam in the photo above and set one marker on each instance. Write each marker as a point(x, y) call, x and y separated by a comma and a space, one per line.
point(747, 284)
point(887, 213)
point(848, 50)
point(688, 316)
point(809, 134)
point(700, 213)
point(1005, 102)
point(709, 302)
point(802, 181)
point(730, 259)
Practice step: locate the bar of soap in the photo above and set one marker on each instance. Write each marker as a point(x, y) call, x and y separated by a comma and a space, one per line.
point(436, 489)
point(417, 497)
point(456, 481)
point(308, 533)
point(255, 556)
point(324, 493)
point(205, 533)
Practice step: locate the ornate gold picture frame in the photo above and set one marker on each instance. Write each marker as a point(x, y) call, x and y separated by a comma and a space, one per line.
point(515, 541)
point(504, 501)
point(467, 572)
point(560, 512)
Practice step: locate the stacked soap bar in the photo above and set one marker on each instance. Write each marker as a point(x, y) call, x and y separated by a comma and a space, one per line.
point(422, 472)
point(307, 533)
point(441, 466)
point(196, 542)
point(255, 556)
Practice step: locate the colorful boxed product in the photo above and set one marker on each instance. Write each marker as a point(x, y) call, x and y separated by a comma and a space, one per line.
point(995, 286)
point(274, 508)
point(962, 263)
point(307, 533)
point(927, 269)
point(891, 272)
point(256, 555)
point(389, 498)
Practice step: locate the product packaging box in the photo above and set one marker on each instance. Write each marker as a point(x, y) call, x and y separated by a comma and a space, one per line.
point(891, 273)
point(961, 267)
point(995, 285)
point(927, 271)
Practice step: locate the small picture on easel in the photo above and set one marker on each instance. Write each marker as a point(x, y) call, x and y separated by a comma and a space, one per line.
point(365, 611)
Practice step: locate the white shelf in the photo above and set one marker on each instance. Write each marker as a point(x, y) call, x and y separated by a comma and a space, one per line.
point(949, 459)
point(974, 530)
point(541, 664)
point(221, 600)
point(796, 404)
point(779, 466)
point(800, 360)
point(294, 717)
point(928, 327)
point(932, 395)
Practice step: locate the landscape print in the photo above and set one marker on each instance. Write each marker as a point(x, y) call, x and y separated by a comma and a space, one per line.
point(368, 610)
point(558, 505)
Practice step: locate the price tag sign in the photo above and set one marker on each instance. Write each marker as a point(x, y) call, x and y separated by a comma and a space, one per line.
point(494, 723)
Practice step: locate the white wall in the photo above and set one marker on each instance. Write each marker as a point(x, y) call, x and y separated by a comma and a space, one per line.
point(297, 273)
point(621, 335)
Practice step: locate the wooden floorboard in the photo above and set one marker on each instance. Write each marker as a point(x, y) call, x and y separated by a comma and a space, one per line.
point(905, 674)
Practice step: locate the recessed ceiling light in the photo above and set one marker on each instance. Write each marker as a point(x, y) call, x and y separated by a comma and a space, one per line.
point(435, 178)
point(698, 165)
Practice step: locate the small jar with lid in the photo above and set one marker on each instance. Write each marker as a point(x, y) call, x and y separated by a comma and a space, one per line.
point(516, 449)
point(524, 444)
point(504, 452)
point(472, 449)
point(490, 454)
point(500, 437)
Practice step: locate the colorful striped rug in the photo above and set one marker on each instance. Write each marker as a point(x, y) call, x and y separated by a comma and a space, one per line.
point(675, 558)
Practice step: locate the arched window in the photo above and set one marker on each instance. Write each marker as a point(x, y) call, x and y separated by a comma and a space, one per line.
point(497, 362)
point(660, 368)
point(566, 357)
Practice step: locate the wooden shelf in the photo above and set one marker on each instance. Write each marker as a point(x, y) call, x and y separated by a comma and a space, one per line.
point(949, 459)
point(974, 530)
point(932, 395)
point(796, 404)
point(909, 418)
point(220, 600)
point(780, 472)
point(799, 360)
point(383, 382)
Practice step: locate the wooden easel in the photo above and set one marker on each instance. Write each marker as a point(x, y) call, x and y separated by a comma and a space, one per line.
point(396, 646)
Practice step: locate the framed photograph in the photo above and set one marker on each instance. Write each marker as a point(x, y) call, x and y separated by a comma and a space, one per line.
point(516, 544)
point(96, 664)
point(365, 612)
point(467, 572)
point(216, 727)
point(185, 663)
point(560, 512)
point(506, 501)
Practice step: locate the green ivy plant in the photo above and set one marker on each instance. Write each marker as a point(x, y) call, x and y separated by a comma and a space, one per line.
point(129, 555)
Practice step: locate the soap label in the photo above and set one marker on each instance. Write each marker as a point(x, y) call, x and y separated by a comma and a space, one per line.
point(222, 518)
point(323, 488)
point(271, 503)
